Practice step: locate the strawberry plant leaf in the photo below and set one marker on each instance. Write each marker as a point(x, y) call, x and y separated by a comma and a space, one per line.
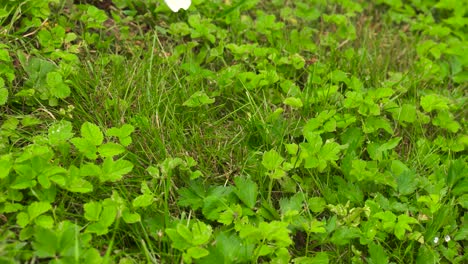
point(247, 191)
point(110, 149)
point(115, 170)
point(92, 133)
point(272, 160)
point(198, 99)
point(377, 254)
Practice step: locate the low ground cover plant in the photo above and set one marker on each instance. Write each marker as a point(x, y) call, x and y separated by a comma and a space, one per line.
point(239, 131)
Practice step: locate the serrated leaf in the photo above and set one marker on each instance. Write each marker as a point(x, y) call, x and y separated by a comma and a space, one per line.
point(434, 102)
point(377, 254)
point(37, 208)
point(92, 133)
point(3, 95)
point(45, 243)
point(316, 204)
point(197, 252)
point(247, 191)
point(110, 149)
point(344, 235)
point(406, 182)
point(57, 86)
point(201, 233)
point(84, 146)
point(293, 102)
point(60, 132)
point(403, 225)
point(115, 170)
point(198, 99)
point(92, 211)
point(272, 160)
point(143, 200)
point(5, 165)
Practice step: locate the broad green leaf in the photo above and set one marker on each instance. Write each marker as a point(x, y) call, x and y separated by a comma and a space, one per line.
point(272, 160)
point(123, 133)
point(45, 243)
point(37, 208)
point(247, 191)
point(201, 233)
point(115, 170)
point(197, 252)
point(377, 254)
point(184, 232)
point(6, 164)
point(22, 219)
point(57, 86)
point(92, 211)
point(316, 204)
point(344, 235)
point(329, 151)
point(434, 102)
point(109, 212)
point(84, 146)
point(3, 93)
point(318, 258)
point(293, 102)
point(60, 132)
point(131, 218)
point(143, 200)
point(92, 133)
point(178, 241)
point(198, 99)
point(407, 182)
point(110, 149)
point(403, 225)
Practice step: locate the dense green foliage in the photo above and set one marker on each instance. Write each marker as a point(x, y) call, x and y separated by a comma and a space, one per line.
point(238, 131)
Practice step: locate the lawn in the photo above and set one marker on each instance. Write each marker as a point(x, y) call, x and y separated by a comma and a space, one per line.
point(236, 131)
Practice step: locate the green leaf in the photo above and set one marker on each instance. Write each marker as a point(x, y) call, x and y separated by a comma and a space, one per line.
point(178, 241)
point(45, 243)
point(316, 204)
point(344, 235)
point(247, 191)
point(84, 146)
point(143, 200)
point(6, 164)
point(319, 258)
point(197, 252)
point(115, 170)
point(403, 225)
point(434, 102)
point(293, 102)
point(3, 93)
point(407, 182)
point(130, 218)
point(110, 149)
point(22, 219)
point(198, 99)
point(184, 232)
point(272, 160)
point(37, 208)
point(377, 254)
point(92, 211)
point(57, 86)
point(201, 233)
point(123, 133)
point(92, 133)
point(60, 132)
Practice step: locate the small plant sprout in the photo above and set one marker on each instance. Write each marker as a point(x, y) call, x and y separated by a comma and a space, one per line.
point(175, 5)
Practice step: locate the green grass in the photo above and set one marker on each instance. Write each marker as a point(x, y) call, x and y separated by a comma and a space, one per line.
point(233, 132)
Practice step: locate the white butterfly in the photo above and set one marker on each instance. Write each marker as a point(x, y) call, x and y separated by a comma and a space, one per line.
point(175, 5)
